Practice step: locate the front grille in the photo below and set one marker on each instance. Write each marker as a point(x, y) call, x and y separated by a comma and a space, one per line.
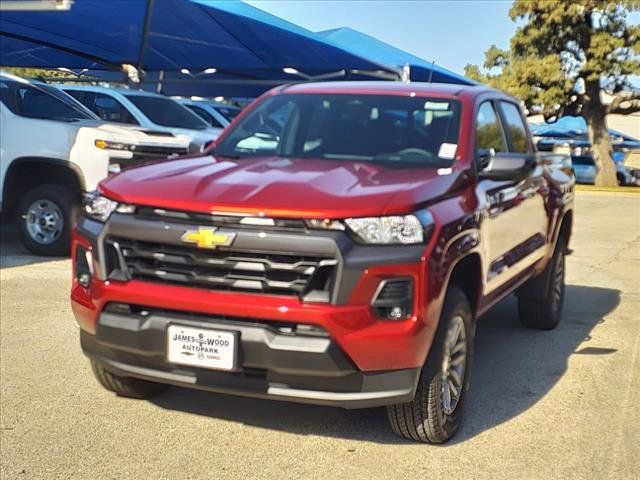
point(144, 154)
point(153, 152)
point(220, 269)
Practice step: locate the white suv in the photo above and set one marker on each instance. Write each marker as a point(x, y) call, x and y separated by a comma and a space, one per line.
point(52, 149)
point(144, 109)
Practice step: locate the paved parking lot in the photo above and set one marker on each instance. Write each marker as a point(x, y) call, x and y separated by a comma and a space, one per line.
point(560, 404)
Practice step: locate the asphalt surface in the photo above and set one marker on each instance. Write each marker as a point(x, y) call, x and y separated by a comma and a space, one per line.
point(560, 404)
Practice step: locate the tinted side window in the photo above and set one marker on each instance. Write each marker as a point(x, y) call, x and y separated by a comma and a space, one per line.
point(39, 102)
point(489, 133)
point(78, 95)
point(516, 127)
point(110, 109)
point(202, 113)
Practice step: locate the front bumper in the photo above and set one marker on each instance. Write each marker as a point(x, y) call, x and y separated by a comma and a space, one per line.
point(362, 361)
point(300, 368)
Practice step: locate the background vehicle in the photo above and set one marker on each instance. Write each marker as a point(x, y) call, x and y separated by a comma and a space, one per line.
point(218, 115)
point(568, 135)
point(336, 248)
point(146, 109)
point(52, 150)
point(584, 166)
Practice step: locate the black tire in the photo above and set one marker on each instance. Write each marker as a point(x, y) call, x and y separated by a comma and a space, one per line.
point(66, 206)
point(127, 386)
point(540, 300)
point(424, 419)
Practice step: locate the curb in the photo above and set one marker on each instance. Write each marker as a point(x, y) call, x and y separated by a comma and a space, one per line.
point(611, 190)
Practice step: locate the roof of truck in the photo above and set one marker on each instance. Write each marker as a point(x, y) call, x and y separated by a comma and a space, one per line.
point(387, 87)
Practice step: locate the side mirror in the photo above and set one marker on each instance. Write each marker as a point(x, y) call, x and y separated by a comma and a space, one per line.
point(507, 166)
point(484, 157)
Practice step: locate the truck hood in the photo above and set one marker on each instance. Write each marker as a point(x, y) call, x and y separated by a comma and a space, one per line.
point(279, 187)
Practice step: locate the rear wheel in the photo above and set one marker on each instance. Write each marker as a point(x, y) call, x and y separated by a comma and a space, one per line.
point(434, 414)
point(127, 386)
point(45, 217)
point(540, 300)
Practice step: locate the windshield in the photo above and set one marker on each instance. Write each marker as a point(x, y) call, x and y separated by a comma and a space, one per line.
point(41, 101)
point(406, 131)
point(227, 112)
point(166, 112)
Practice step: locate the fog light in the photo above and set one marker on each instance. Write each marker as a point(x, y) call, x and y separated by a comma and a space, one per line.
point(393, 299)
point(84, 279)
point(397, 313)
point(83, 266)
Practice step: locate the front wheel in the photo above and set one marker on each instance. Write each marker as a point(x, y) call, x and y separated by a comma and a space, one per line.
point(434, 414)
point(45, 218)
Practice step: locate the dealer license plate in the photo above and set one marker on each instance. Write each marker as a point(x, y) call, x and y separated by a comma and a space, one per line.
point(198, 347)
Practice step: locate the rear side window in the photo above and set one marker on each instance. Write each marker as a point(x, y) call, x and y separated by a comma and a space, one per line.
point(489, 134)
point(166, 112)
point(202, 113)
point(105, 106)
point(228, 112)
point(110, 109)
point(78, 95)
point(515, 124)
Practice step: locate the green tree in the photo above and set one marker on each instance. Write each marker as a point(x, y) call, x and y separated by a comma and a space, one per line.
point(564, 54)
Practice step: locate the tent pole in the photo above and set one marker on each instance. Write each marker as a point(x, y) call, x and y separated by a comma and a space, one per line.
point(145, 34)
point(160, 78)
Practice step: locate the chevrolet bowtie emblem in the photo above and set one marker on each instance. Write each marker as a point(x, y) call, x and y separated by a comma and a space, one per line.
point(208, 237)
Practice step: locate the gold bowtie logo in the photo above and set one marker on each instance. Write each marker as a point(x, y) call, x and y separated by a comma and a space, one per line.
point(208, 237)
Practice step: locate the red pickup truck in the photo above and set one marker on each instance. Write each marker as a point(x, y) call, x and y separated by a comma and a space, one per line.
point(335, 247)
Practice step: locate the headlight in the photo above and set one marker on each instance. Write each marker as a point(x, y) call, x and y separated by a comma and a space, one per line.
point(407, 229)
point(107, 145)
point(100, 208)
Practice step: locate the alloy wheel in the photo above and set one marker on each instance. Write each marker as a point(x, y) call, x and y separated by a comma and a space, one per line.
point(44, 221)
point(454, 364)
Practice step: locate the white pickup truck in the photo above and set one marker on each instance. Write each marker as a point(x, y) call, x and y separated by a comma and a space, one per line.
point(52, 149)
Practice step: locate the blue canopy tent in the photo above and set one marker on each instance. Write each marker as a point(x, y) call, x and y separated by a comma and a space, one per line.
point(574, 129)
point(199, 43)
point(177, 42)
point(375, 50)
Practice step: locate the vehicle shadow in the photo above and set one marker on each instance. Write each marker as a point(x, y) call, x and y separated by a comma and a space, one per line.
point(514, 367)
point(12, 252)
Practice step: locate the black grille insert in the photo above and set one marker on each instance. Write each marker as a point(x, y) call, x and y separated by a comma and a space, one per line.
point(195, 218)
point(220, 269)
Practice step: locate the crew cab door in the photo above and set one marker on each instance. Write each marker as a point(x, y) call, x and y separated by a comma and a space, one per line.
point(514, 220)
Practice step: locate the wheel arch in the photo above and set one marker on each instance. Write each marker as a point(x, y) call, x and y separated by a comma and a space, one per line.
point(566, 227)
point(466, 274)
point(25, 173)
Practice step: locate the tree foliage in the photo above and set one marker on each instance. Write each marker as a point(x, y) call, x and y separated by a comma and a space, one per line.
point(562, 47)
point(39, 73)
point(563, 55)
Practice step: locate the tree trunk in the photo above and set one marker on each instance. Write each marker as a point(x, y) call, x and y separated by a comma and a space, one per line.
point(595, 116)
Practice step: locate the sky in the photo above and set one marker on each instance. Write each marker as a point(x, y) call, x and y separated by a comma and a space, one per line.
point(453, 33)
